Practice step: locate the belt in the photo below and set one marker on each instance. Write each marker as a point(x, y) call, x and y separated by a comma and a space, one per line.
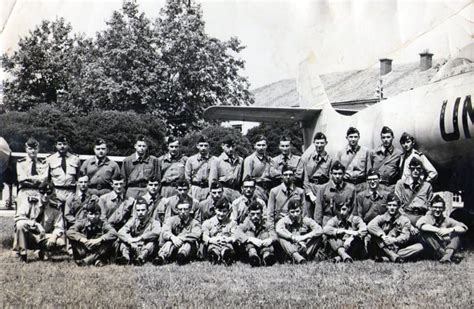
point(140, 184)
point(356, 181)
point(27, 185)
point(318, 181)
point(100, 186)
point(415, 211)
point(201, 184)
point(70, 187)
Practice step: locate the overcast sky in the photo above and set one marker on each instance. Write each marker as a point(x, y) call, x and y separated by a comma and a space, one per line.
point(342, 35)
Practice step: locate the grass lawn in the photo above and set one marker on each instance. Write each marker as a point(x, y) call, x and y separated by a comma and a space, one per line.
point(362, 284)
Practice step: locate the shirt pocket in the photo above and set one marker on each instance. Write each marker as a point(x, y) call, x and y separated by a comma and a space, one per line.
point(56, 169)
point(71, 168)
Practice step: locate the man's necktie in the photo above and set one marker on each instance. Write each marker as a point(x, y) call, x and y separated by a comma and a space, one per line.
point(33, 168)
point(63, 163)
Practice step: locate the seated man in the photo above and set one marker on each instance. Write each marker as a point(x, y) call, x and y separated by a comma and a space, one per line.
point(39, 224)
point(168, 206)
point(206, 209)
point(371, 202)
point(92, 239)
point(300, 237)
point(139, 236)
point(218, 235)
point(391, 234)
point(179, 237)
point(441, 234)
point(241, 204)
point(74, 208)
point(257, 236)
point(345, 234)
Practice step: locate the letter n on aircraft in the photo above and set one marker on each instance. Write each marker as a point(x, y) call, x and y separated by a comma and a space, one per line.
point(467, 119)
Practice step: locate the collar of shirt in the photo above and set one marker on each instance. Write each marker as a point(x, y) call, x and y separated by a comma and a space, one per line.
point(369, 193)
point(115, 196)
point(167, 157)
point(103, 162)
point(349, 149)
point(66, 155)
point(383, 150)
point(284, 188)
point(145, 158)
point(264, 158)
point(334, 187)
point(201, 157)
point(322, 157)
point(409, 182)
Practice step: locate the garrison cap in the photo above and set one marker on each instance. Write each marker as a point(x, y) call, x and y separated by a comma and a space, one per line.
point(228, 140)
point(405, 136)
point(153, 178)
point(392, 197)
point(249, 178)
point(93, 206)
point(32, 142)
point(337, 165)
point(222, 203)
point(319, 135)
point(171, 139)
point(100, 141)
point(352, 130)
point(255, 205)
point(202, 139)
point(61, 139)
point(287, 168)
point(118, 177)
point(415, 162)
point(372, 172)
point(46, 187)
point(141, 201)
point(437, 199)
point(182, 183)
point(216, 185)
point(294, 203)
point(259, 138)
point(386, 130)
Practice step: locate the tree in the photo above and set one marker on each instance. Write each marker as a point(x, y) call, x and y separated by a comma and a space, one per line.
point(274, 133)
point(200, 71)
point(40, 69)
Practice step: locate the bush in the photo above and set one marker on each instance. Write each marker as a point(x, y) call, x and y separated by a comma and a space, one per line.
point(274, 133)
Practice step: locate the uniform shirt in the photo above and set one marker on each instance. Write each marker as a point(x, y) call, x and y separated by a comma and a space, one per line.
point(205, 210)
point(197, 168)
point(168, 205)
point(431, 172)
point(352, 223)
point(278, 201)
point(136, 170)
point(24, 169)
point(189, 230)
point(115, 209)
point(443, 222)
point(397, 227)
point(149, 229)
point(152, 203)
point(240, 208)
point(172, 168)
point(286, 228)
point(356, 162)
point(257, 167)
point(414, 196)
point(262, 230)
point(368, 205)
point(387, 162)
point(100, 174)
point(49, 216)
point(279, 161)
point(58, 176)
point(74, 208)
point(84, 229)
point(227, 171)
point(330, 194)
point(212, 227)
point(314, 169)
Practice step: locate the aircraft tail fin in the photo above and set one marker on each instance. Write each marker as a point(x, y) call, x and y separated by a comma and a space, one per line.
point(309, 85)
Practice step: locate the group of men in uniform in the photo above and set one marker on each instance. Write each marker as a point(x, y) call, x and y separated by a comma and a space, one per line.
point(360, 204)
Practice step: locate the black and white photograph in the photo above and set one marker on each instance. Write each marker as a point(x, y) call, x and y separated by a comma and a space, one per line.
point(236, 153)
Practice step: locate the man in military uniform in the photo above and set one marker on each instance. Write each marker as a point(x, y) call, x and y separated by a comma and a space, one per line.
point(153, 198)
point(345, 234)
point(63, 169)
point(93, 238)
point(371, 202)
point(408, 144)
point(315, 171)
point(207, 209)
point(179, 237)
point(285, 158)
point(39, 224)
point(257, 165)
point(75, 205)
point(197, 168)
point(31, 172)
point(299, 236)
point(386, 160)
point(240, 205)
point(100, 169)
point(391, 237)
point(335, 191)
point(414, 193)
point(356, 160)
point(172, 166)
point(281, 195)
point(138, 168)
point(169, 205)
point(139, 236)
point(227, 169)
point(116, 208)
point(218, 235)
point(441, 234)
point(257, 236)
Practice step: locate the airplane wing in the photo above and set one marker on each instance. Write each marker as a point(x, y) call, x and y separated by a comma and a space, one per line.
point(285, 115)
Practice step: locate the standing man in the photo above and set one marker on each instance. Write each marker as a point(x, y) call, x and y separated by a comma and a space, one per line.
point(257, 166)
point(197, 170)
point(172, 166)
point(441, 234)
point(100, 169)
point(315, 171)
point(371, 202)
point(408, 144)
point(169, 205)
point(257, 236)
point(227, 169)
point(31, 172)
point(285, 158)
point(138, 168)
point(240, 206)
point(414, 193)
point(39, 224)
point(386, 160)
point(207, 209)
point(179, 237)
point(299, 236)
point(281, 195)
point(75, 205)
point(355, 158)
point(63, 169)
point(335, 191)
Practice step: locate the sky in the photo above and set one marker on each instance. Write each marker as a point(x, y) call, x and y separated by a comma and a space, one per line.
point(279, 34)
